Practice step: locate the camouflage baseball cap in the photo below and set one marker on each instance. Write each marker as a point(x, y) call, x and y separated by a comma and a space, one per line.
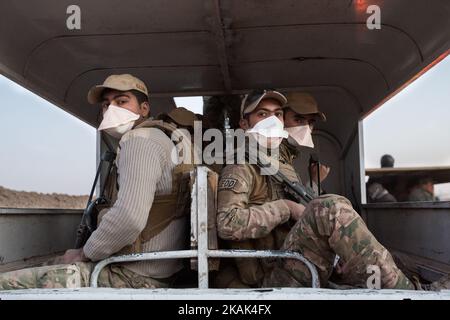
point(251, 100)
point(121, 82)
point(304, 103)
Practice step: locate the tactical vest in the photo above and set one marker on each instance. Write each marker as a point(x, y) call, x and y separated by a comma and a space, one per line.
point(165, 208)
point(252, 271)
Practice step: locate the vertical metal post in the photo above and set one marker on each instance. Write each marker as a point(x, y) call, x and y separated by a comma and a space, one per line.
point(194, 219)
point(362, 164)
point(202, 215)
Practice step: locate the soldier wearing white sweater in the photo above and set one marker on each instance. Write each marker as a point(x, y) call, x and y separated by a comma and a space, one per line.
point(145, 172)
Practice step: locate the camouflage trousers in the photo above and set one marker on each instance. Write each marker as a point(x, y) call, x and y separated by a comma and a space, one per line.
point(328, 228)
point(76, 275)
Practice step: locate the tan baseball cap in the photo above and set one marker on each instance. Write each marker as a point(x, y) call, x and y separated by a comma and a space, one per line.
point(181, 116)
point(304, 103)
point(251, 101)
point(121, 82)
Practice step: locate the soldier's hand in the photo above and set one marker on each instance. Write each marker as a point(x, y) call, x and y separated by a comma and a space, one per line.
point(389, 277)
point(73, 255)
point(297, 210)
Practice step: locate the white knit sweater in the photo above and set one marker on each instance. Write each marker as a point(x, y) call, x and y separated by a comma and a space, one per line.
point(145, 168)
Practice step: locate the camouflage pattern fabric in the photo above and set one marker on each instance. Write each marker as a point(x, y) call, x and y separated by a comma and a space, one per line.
point(228, 277)
point(330, 226)
point(441, 284)
point(245, 209)
point(248, 218)
point(76, 275)
point(251, 215)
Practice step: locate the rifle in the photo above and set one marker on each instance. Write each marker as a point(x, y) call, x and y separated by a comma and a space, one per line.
point(314, 160)
point(89, 219)
point(295, 190)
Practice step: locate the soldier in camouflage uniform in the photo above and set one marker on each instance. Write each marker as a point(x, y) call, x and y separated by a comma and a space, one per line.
point(254, 214)
point(302, 112)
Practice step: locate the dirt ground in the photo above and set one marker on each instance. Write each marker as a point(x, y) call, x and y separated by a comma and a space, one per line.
point(22, 199)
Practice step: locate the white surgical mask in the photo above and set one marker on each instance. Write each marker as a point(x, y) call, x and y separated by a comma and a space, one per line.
point(300, 136)
point(269, 132)
point(117, 121)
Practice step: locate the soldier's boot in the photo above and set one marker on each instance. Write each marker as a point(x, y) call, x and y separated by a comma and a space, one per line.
point(441, 284)
point(330, 226)
point(228, 277)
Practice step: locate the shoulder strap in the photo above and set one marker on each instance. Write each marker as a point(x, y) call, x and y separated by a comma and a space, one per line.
point(180, 137)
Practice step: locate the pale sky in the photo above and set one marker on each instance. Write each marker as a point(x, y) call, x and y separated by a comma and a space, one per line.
point(46, 150)
point(414, 126)
point(43, 148)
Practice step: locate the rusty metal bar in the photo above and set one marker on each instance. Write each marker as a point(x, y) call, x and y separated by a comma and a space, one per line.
point(268, 254)
point(194, 219)
point(199, 238)
point(201, 184)
point(158, 255)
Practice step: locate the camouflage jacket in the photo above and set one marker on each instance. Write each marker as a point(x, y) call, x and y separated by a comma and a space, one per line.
point(252, 215)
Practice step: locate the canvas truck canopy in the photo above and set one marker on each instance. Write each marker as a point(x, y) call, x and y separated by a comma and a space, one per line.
point(200, 47)
point(214, 47)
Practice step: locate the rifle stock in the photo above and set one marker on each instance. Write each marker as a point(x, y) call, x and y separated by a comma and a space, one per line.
point(89, 219)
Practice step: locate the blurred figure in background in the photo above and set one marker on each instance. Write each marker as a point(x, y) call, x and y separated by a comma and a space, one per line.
point(376, 192)
point(423, 191)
